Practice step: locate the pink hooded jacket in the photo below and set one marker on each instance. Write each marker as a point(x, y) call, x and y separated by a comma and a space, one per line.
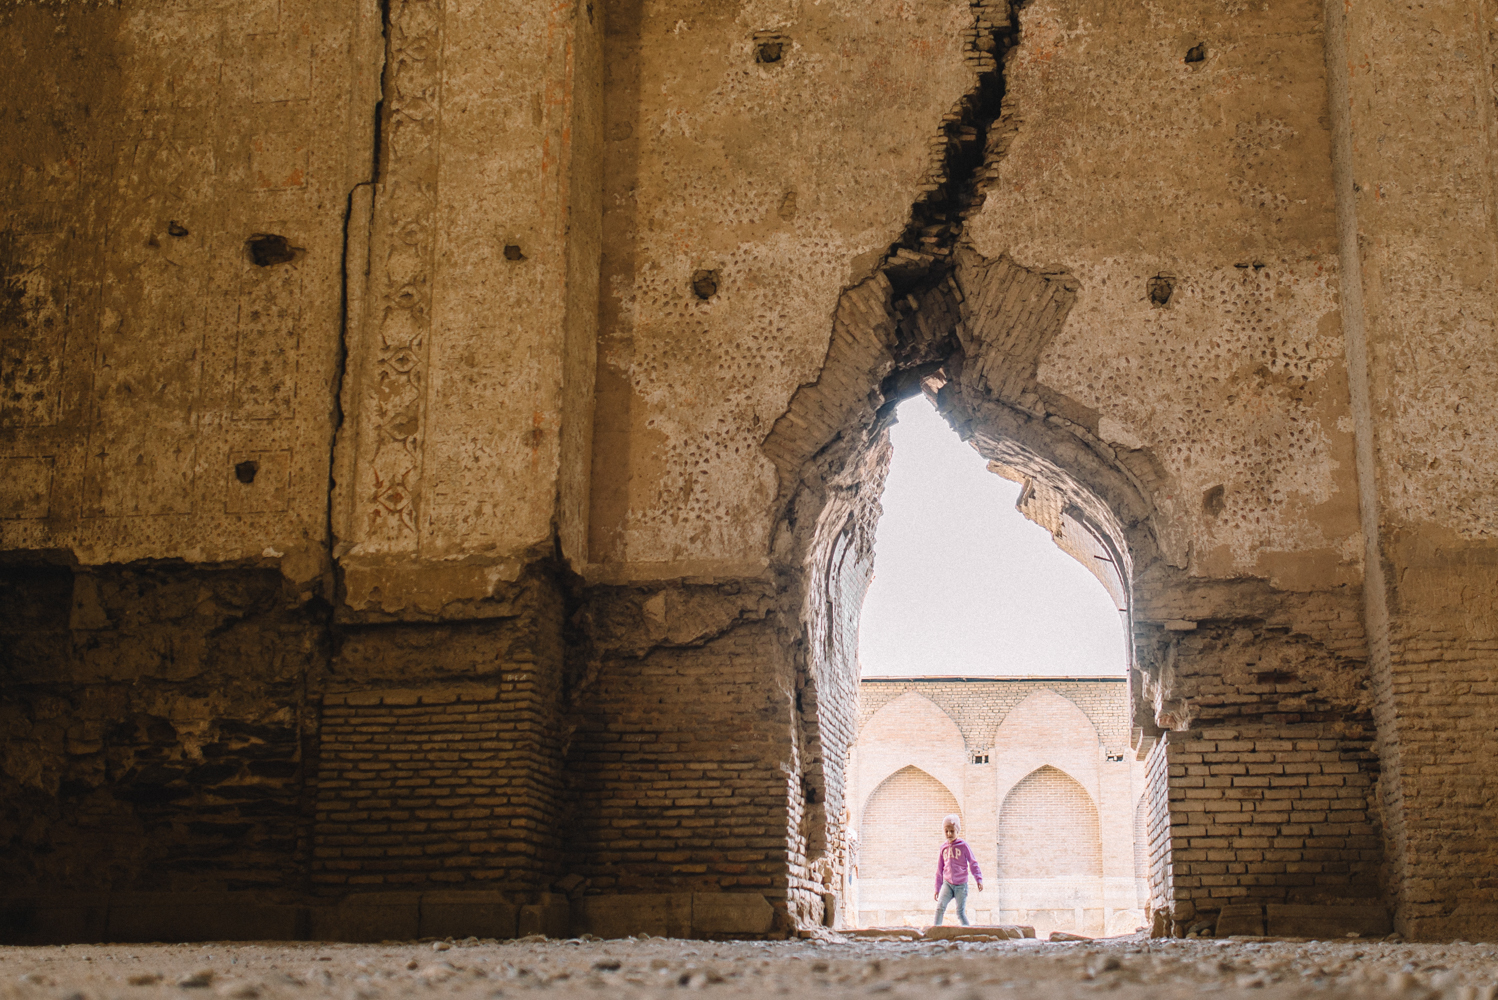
point(953, 862)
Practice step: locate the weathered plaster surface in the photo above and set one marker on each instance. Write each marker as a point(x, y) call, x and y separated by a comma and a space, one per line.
point(719, 162)
point(476, 337)
point(1130, 163)
point(146, 355)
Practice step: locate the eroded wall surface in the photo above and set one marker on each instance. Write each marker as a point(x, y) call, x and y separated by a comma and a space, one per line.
point(176, 180)
point(432, 425)
point(1177, 164)
point(1418, 204)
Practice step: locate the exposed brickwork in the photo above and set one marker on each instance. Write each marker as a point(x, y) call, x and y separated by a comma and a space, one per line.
point(1271, 788)
point(850, 570)
point(1271, 820)
point(1439, 701)
point(828, 701)
point(1284, 808)
point(439, 785)
point(1142, 840)
point(1157, 825)
point(679, 768)
point(1275, 819)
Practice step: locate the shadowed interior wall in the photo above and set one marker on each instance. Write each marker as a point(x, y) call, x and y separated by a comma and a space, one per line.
point(355, 349)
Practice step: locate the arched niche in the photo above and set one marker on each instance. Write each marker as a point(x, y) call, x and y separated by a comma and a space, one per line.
point(1050, 855)
point(911, 730)
point(900, 832)
point(1048, 829)
point(1045, 729)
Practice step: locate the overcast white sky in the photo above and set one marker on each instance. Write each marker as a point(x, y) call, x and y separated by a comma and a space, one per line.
point(964, 583)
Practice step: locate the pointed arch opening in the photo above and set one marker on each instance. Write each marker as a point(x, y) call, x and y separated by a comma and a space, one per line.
point(896, 857)
point(968, 335)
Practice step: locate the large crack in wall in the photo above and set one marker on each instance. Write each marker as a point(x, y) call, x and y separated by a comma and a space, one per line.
point(968, 331)
point(689, 731)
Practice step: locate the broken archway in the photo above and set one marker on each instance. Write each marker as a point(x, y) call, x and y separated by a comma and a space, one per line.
point(969, 337)
point(1205, 657)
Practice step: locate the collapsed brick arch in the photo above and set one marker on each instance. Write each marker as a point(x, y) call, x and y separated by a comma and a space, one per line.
point(968, 335)
point(936, 317)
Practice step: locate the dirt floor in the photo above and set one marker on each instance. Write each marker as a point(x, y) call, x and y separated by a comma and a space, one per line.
point(1124, 967)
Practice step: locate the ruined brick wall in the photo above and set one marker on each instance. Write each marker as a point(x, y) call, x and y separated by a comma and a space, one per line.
point(440, 786)
point(1272, 770)
point(319, 348)
point(1157, 823)
point(179, 730)
point(678, 765)
point(158, 731)
point(1270, 820)
point(828, 703)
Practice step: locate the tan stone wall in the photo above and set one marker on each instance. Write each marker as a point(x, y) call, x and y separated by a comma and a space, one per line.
point(1415, 188)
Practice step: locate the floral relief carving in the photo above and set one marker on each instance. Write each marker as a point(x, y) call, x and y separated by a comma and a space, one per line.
point(401, 273)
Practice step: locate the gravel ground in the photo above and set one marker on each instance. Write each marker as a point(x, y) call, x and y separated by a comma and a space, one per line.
point(654, 967)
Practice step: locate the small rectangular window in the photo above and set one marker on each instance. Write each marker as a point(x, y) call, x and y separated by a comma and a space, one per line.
point(980, 758)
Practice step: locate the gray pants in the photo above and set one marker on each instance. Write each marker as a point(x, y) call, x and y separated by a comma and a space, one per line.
point(950, 892)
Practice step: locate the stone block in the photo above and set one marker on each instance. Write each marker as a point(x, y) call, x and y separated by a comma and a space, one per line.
point(659, 914)
point(37, 922)
point(368, 917)
point(1240, 919)
point(551, 918)
point(979, 932)
point(468, 914)
point(885, 933)
point(1316, 921)
point(724, 914)
point(155, 919)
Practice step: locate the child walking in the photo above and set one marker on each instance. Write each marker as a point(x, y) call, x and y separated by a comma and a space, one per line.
point(951, 871)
